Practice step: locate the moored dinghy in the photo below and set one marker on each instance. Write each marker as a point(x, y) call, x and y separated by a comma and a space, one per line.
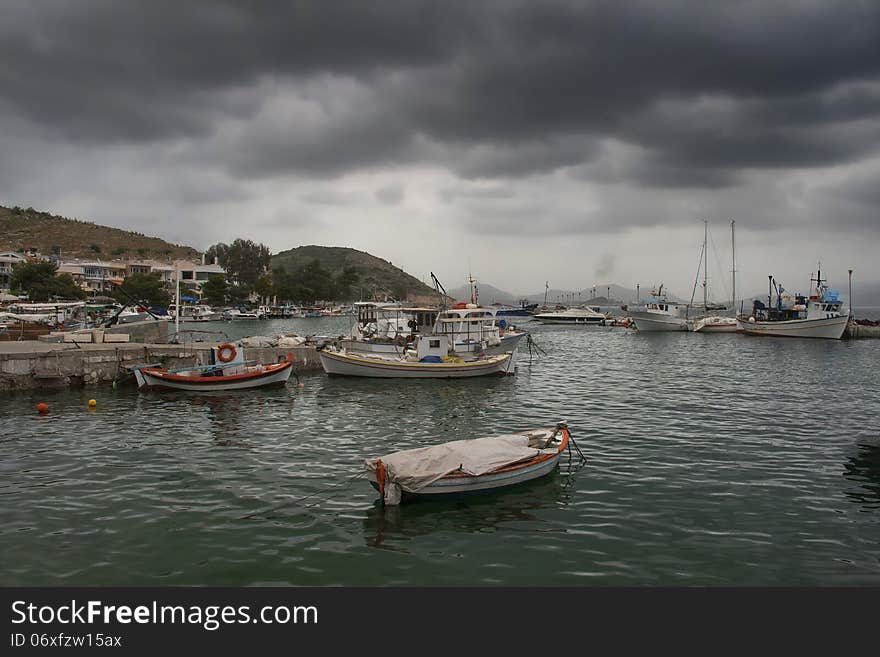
point(467, 466)
point(228, 372)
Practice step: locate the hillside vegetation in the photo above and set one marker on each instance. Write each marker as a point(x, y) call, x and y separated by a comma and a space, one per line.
point(376, 277)
point(22, 229)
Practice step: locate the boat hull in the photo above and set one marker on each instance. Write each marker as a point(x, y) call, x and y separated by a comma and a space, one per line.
point(573, 322)
point(716, 325)
point(828, 328)
point(345, 364)
point(481, 484)
point(458, 484)
point(648, 322)
point(271, 376)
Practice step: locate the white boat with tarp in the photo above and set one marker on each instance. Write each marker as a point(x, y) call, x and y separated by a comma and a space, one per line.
point(468, 466)
point(797, 316)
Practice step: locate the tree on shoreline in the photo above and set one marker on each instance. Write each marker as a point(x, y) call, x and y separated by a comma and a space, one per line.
point(245, 261)
point(41, 282)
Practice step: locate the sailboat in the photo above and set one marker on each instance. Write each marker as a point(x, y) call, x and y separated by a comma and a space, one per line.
point(716, 323)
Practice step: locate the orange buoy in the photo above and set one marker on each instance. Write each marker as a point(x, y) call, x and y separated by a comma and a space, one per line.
point(43, 408)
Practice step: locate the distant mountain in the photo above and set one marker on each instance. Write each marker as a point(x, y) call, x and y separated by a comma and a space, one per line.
point(487, 294)
point(24, 229)
point(378, 278)
point(605, 294)
point(600, 295)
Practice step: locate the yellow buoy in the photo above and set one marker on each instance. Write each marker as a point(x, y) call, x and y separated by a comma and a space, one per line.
point(92, 403)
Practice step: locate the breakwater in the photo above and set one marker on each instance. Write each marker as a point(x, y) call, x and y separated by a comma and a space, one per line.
point(31, 364)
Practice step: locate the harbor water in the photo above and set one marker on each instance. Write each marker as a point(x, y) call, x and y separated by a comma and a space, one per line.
point(713, 460)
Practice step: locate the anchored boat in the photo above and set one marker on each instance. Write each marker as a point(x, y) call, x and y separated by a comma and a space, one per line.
point(576, 316)
point(228, 372)
point(797, 316)
point(466, 466)
point(659, 314)
point(430, 360)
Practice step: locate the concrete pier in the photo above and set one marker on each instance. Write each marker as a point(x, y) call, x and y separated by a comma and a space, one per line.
point(30, 364)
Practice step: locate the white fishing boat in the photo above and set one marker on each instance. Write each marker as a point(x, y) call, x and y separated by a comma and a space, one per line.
point(430, 360)
point(470, 328)
point(194, 313)
point(229, 371)
point(660, 314)
point(468, 466)
point(797, 316)
point(128, 315)
point(583, 315)
point(387, 328)
point(238, 313)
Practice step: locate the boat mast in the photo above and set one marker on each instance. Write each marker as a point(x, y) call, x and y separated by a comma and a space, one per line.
point(177, 303)
point(733, 260)
point(705, 266)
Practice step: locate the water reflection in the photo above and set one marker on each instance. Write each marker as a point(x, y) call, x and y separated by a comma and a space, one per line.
point(391, 527)
point(864, 469)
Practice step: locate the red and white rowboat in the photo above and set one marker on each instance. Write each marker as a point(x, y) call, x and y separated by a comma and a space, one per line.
point(467, 466)
point(235, 376)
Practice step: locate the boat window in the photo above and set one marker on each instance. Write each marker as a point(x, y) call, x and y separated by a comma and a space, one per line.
point(434, 344)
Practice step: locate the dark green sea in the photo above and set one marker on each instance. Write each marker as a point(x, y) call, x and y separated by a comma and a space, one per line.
point(713, 460)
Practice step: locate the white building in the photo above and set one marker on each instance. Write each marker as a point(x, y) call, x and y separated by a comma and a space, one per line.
point(7, 261)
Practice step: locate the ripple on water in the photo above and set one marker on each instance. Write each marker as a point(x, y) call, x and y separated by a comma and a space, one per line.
point(713, 460)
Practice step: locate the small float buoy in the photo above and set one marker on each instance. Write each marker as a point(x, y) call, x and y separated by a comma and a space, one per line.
point(300, 385)
point(92, 403)
point(43, 408)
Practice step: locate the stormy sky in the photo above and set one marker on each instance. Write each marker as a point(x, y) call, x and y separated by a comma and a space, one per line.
point(570, 142)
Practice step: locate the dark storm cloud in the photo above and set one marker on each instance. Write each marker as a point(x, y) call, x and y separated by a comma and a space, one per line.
point(701, 91)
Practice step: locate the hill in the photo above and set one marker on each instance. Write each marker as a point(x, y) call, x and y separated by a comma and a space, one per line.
point(377, 278)
point(488, 294)
point(23, 229)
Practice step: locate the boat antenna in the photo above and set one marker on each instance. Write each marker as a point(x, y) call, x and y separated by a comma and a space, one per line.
point(546, 289)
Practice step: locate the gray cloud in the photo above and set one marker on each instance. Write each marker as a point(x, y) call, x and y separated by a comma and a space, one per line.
point(391, 195)
point(510, 119)
point(509, 88)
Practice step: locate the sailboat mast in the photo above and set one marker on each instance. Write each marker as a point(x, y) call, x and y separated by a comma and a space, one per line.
point(705, 265)
point(733, 260)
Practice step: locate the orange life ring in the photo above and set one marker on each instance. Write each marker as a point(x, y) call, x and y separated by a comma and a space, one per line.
point(221, 352)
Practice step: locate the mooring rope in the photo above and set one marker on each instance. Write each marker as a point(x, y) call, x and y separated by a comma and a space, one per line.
point(340, 486)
